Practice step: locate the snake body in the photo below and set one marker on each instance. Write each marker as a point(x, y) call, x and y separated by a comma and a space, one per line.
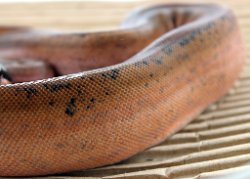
point(115, 93)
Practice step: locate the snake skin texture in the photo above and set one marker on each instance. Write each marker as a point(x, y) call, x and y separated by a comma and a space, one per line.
point(92, 99)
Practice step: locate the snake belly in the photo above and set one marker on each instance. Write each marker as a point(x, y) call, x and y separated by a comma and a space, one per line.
point(116, 93)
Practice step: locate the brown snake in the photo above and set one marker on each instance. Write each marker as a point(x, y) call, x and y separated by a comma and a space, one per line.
point(135, 99)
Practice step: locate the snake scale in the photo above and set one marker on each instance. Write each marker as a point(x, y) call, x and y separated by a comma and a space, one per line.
point(73, 101)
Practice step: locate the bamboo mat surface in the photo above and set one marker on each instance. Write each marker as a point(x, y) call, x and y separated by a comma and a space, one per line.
point(215, 144)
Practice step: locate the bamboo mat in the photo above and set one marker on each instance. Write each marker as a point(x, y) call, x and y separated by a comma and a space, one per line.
point(215, 144)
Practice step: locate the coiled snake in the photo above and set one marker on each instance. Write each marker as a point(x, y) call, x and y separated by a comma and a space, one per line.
point(93, 99)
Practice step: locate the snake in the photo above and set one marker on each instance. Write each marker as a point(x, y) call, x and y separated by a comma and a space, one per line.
point(74, 101)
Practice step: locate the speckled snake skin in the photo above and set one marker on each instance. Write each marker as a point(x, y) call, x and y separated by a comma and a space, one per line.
point(92, 99)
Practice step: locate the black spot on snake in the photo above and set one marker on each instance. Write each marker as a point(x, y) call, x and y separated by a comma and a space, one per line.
point(141, 63)
point(29, 90)
point(113, 74)
point(92, 100)
point(186, 40)
point(56, 87)
point(71, 108)
point(158, 61)
point(51, 103)
point(168, 50)
point(107, 93)
point(87, 107)
point(79, 92)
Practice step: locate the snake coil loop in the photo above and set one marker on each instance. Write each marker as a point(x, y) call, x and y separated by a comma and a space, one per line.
point(114, 93)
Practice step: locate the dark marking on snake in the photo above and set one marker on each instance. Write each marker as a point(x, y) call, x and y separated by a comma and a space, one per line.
point(92, 100)
point(168, 50)
point(158, 61)
point(88, 107)
point(29, 90)
point(145, 62)
point(71, 108)
point(186, 40)
point(113, 74)
point(51, 103)
point(56, 87)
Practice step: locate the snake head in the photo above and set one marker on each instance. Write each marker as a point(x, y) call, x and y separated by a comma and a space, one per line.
point(4, 76)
